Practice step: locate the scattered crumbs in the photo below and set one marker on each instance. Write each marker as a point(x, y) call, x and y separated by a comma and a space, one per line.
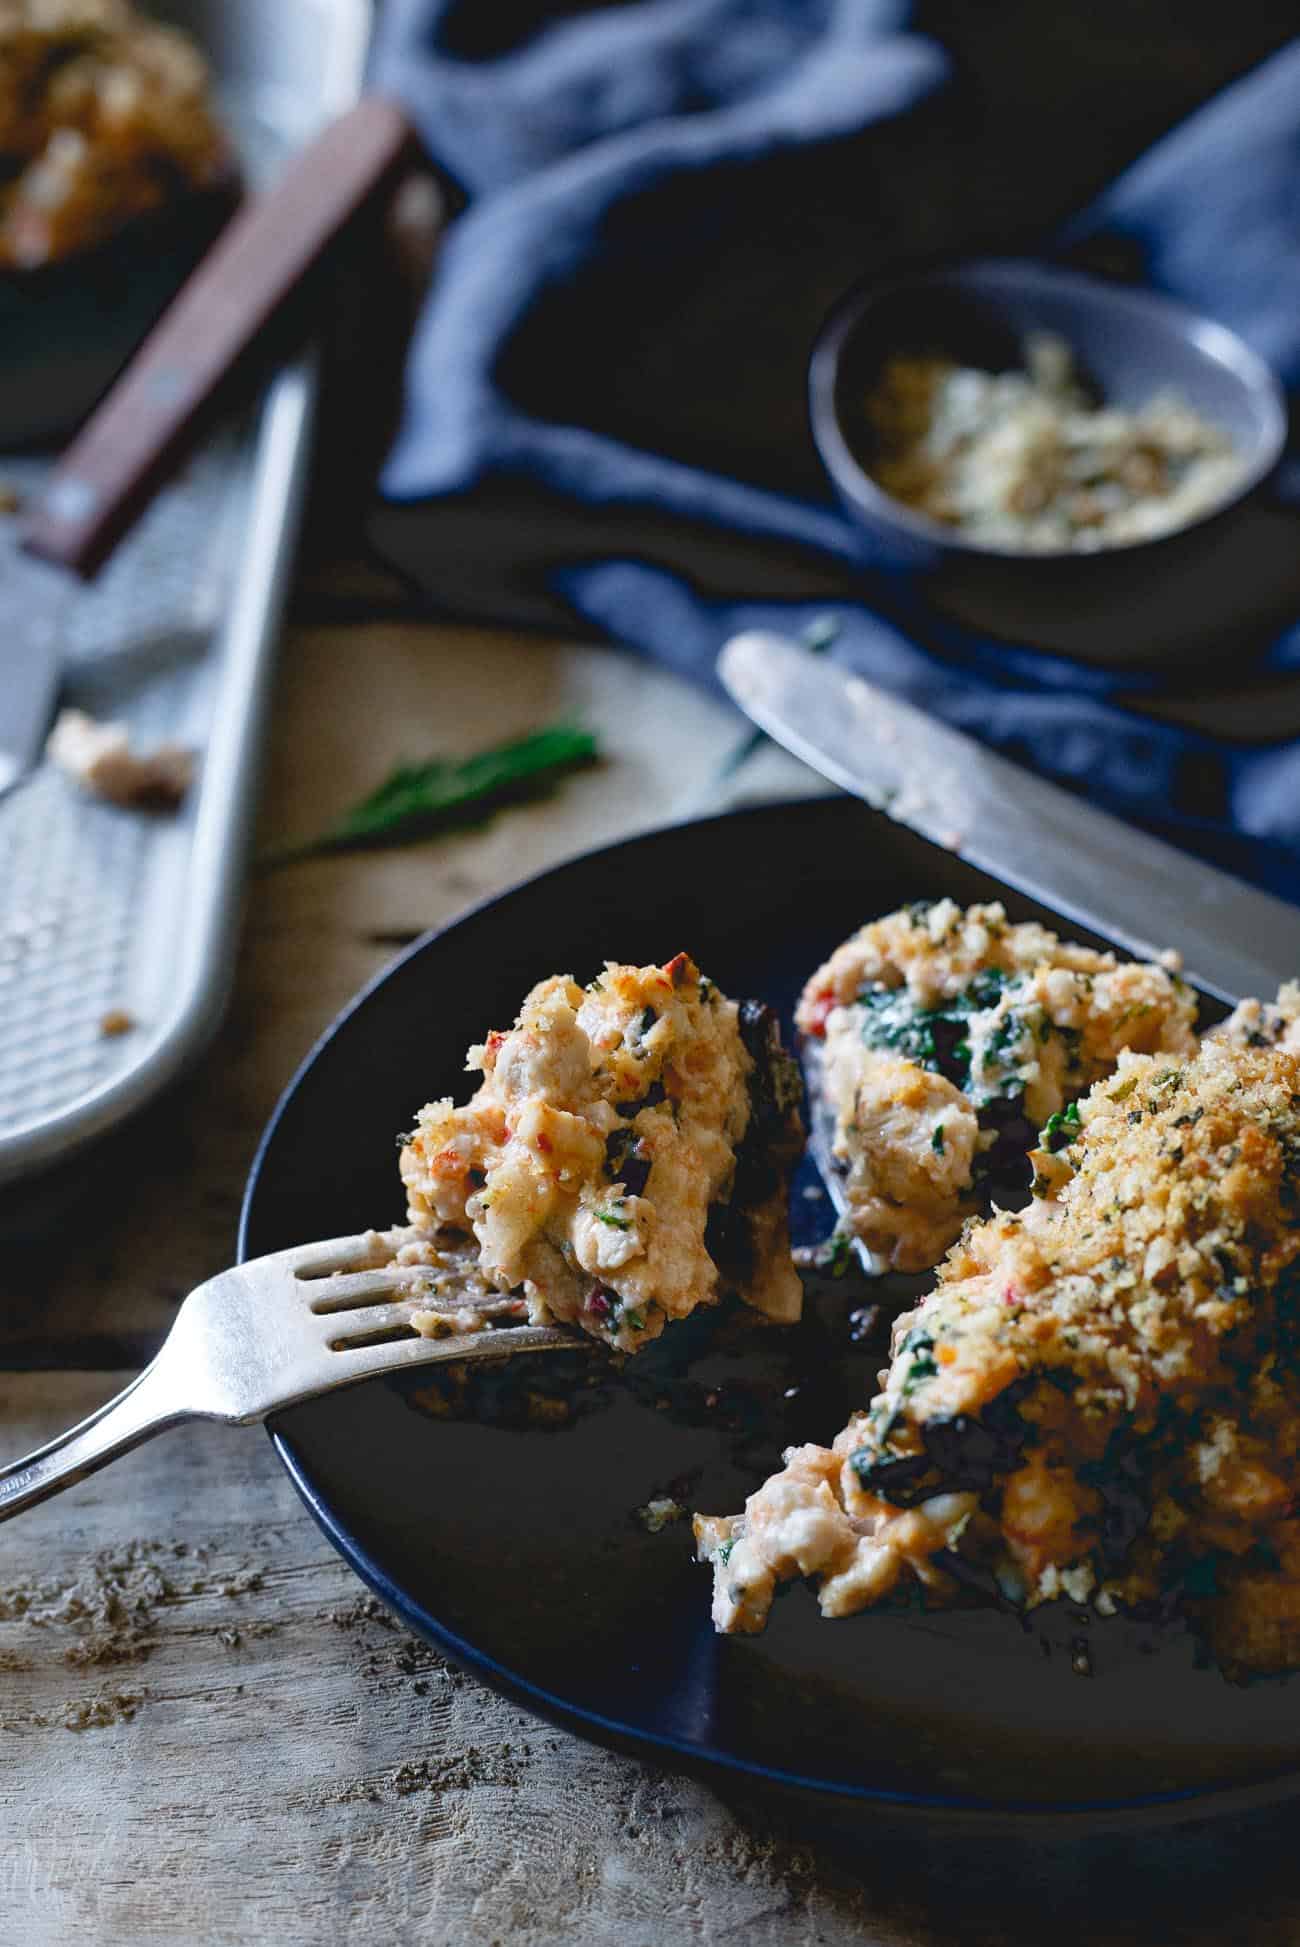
point(413, 1657)
point(244, 1583)
point(475, 1765)
point(99, 757)
point(11, 501)
point(952, 840)
point(814, 1193)
point(107, 1613)
point(109, 1607)
point(362, 1609)
point(497, 1764)
point(410, 1778)
point(116, 1021)
point(1080, 1658)
point(659, 1513)
point(100, 1713)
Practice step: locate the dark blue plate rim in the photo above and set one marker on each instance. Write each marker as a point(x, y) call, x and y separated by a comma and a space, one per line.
point(1090, 1814)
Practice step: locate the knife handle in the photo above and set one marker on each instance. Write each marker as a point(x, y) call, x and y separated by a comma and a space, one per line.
point(137, 435)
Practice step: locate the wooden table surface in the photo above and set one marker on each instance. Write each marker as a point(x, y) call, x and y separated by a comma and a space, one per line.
point(209, 1731)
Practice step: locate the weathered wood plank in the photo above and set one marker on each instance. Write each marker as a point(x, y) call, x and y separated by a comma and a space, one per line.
point(210, 1732)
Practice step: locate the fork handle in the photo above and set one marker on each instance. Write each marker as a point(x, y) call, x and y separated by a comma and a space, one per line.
point(145, 1407)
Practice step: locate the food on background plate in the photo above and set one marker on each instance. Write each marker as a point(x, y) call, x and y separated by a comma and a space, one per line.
point(104, 117)
point(1101, 1397)
point(625, 1159)
point(1024, 460)
point(944, 1038)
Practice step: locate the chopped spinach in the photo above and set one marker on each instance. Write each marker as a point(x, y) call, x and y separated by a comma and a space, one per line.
point(894, 1476)
point(937, 1038)
point(922, 1367)
point(835, 1256)
point(1061, 1129)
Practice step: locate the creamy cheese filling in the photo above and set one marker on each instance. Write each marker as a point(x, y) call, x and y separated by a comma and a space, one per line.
point(946, 1038)
point(614, 1126)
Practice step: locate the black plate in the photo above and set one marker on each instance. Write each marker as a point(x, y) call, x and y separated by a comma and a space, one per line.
point(501, 1523)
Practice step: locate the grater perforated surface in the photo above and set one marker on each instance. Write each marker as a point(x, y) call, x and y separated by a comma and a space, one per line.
point(105, 911)
point(84, 931)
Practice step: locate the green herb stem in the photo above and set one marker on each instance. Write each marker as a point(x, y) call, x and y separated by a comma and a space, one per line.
point(416, 800)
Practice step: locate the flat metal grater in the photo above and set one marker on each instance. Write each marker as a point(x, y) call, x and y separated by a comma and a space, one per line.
point(115, 919)
point(87, 890)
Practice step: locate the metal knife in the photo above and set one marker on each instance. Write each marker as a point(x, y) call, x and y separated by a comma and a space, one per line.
point(1043, 841)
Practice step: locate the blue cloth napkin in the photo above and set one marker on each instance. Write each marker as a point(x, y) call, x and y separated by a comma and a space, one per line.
point(662, 199)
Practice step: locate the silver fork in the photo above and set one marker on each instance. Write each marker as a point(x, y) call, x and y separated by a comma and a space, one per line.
point(265, 1335)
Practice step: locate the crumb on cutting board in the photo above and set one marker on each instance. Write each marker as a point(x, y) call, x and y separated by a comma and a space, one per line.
point(100, 758)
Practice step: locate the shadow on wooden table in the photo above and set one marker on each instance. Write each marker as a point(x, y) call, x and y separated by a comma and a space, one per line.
point(1230, 1878)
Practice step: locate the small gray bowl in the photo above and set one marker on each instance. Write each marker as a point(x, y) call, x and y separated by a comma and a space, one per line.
point(1184, 594)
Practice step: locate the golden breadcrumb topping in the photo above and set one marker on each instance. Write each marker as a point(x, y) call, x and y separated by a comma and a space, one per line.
point(942, 1038)
point(1100, 1397)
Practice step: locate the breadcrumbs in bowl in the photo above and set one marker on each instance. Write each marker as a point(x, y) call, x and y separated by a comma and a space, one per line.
point(1023, 459)
point(1009, 499)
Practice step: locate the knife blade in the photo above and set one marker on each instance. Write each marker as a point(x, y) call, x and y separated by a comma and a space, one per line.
point(33, 605)
point(1032, 835)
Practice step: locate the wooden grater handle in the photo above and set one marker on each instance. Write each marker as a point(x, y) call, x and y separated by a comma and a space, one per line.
point(140, 430)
